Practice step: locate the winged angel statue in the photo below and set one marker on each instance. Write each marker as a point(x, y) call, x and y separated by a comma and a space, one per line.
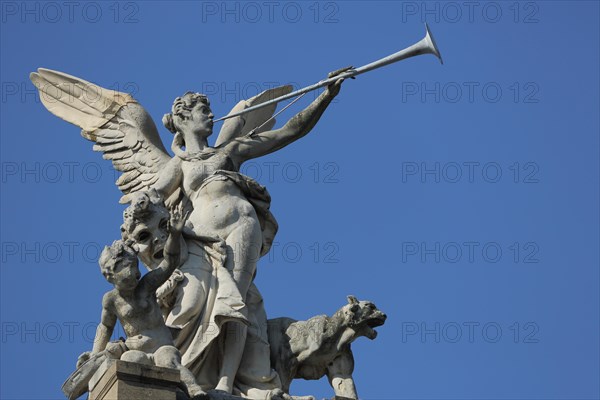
point(229, 225)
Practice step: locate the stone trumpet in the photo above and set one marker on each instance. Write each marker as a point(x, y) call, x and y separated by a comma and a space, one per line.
point(424, 46)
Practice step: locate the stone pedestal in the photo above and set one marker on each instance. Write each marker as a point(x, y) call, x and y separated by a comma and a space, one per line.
point(121, 380)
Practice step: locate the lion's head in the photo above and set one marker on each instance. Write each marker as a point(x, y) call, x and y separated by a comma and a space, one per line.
point(363, 316)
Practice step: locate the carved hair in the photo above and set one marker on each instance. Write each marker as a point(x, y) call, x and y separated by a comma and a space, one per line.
point(119, 251)
point(182, 106)
point(143, 205)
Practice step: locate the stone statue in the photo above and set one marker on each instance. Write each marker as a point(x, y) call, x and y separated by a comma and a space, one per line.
point(321, 346)
point(205, 296)
point(229, 225)
point(229, 205)
point(133, 303)
point(213, 309)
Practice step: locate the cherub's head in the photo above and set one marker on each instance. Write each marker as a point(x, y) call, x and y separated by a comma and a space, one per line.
point(119, 265)
point(145, 226)
point(190, 114)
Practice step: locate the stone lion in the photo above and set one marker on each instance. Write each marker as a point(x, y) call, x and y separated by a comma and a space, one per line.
point(321, 346)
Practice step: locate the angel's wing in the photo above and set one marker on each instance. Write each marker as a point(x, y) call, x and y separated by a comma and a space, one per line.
point(241, 125)
point(120, 127)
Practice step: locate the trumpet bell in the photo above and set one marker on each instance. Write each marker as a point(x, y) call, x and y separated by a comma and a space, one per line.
point(430, 42)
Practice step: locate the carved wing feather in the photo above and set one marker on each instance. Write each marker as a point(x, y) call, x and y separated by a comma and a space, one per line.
point(117, 124)
point(243, 124)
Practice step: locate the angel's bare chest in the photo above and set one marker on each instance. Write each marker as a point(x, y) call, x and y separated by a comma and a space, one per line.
point(196, 171)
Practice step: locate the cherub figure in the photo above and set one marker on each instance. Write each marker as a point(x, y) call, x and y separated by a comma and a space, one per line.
point(133, 302)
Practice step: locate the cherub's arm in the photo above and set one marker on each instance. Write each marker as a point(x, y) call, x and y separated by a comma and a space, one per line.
point(106, 325)
point(172, 252)
point(260, 144)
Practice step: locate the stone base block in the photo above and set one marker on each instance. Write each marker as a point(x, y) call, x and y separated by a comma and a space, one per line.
point(121, 380)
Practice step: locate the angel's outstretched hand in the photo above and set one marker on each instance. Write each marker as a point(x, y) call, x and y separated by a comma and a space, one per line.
point(335, 87)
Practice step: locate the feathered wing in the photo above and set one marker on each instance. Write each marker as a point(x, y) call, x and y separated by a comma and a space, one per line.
point(243, 124)
point(118, 125)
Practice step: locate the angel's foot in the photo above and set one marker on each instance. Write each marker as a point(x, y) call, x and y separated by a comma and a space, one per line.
point(224, 386)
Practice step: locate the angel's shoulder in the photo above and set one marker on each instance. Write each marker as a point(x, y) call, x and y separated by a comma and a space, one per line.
point(174, 164)
point(174, 161)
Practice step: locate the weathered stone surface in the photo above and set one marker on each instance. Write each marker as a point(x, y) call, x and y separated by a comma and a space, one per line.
point(133, 302)
point(121, 380)
point(229, 225)
point(202, 255)
point(321, 346)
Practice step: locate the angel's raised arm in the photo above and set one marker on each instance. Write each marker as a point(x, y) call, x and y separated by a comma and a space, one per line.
point(261, 143)
point(120, 127)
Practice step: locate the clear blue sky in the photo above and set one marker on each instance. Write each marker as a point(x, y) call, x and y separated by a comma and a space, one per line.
point(462, 199)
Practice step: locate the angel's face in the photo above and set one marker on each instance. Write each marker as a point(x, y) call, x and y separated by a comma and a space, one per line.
point(201, 117)
point(149, 238)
